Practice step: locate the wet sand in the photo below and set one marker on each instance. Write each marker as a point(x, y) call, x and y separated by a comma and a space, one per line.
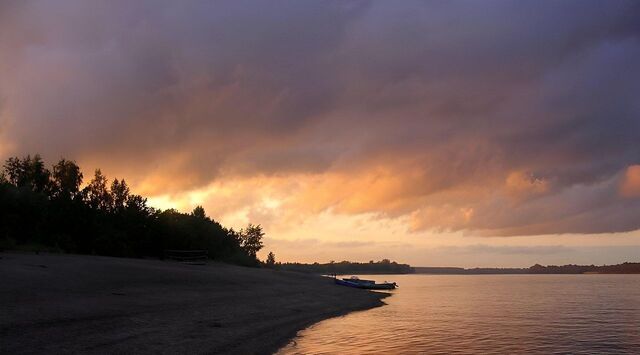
point(92, 304)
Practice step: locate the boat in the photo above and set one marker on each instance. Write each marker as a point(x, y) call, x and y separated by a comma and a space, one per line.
point(356, 282)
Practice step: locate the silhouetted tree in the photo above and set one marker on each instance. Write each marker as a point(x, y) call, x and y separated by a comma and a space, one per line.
point(119, 194)
point(235, 235)
point(28, 172)
point(271, 260)
point(50, 210)
point(98, 197)
point(198, 212)
point(137, 203)
point(67, 179)
point(252, 239)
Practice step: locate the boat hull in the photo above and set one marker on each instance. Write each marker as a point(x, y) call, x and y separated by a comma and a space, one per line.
point(366, 285)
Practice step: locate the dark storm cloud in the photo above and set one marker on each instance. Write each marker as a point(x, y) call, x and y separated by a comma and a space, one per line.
point(208, 79)
point(499, 116)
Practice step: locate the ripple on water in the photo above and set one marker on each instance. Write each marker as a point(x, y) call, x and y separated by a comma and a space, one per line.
point(489, 314)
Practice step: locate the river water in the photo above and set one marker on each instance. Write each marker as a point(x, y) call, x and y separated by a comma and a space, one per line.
point(488, 314)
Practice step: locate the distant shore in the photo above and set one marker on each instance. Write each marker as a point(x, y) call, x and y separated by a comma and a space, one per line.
point(91, 304)
point(624, 268)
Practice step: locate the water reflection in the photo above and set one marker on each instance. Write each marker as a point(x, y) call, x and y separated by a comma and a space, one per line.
point(498, 314)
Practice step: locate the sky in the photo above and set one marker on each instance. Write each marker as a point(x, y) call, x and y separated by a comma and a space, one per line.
point(439, 133)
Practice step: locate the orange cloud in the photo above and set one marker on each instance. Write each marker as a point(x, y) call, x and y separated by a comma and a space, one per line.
point(461, 130)
point(520, 185)
point(630, 185)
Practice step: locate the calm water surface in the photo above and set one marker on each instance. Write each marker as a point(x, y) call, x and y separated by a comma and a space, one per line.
point(493, 314)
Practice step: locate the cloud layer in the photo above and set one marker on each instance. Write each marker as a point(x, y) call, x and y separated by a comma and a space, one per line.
point(493, 117)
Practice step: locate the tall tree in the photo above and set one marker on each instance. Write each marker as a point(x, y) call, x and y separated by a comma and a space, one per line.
point(271, 259)
point(28, 172)
point(252, 239)
point(15, 171)
point(97, 195)
point(67, 179)
point(119, 194)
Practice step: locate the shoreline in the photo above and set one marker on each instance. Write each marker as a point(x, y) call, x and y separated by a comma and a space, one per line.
point(286, 339)
point(95, 304)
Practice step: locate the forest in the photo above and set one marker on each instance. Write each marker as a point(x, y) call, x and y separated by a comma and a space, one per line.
point(384, 266)
point(51, 210)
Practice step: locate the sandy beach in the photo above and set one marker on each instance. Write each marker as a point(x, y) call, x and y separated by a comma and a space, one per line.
point(91, 304)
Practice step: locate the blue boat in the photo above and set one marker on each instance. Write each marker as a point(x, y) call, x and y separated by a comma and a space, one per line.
point(354, 281)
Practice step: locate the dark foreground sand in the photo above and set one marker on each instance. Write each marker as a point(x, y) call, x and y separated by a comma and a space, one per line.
point(89, 304)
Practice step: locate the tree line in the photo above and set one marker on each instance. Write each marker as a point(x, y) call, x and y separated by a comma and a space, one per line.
point(624, 268)
point(384, 266)
point(48, 209)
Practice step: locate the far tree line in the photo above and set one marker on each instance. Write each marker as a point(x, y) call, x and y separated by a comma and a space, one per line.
point(48, 209)
point(624, 268)
point(384, 266)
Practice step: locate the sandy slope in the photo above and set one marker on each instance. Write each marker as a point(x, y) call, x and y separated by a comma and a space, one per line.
point(90, 304)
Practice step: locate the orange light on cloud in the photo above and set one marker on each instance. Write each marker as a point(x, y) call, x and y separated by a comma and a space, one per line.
point(630, 186)
point(521, 184)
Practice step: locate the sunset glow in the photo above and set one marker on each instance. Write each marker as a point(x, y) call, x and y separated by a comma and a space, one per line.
point(422, 133)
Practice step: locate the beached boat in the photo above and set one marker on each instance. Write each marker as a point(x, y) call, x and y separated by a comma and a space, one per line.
point(356, 282)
